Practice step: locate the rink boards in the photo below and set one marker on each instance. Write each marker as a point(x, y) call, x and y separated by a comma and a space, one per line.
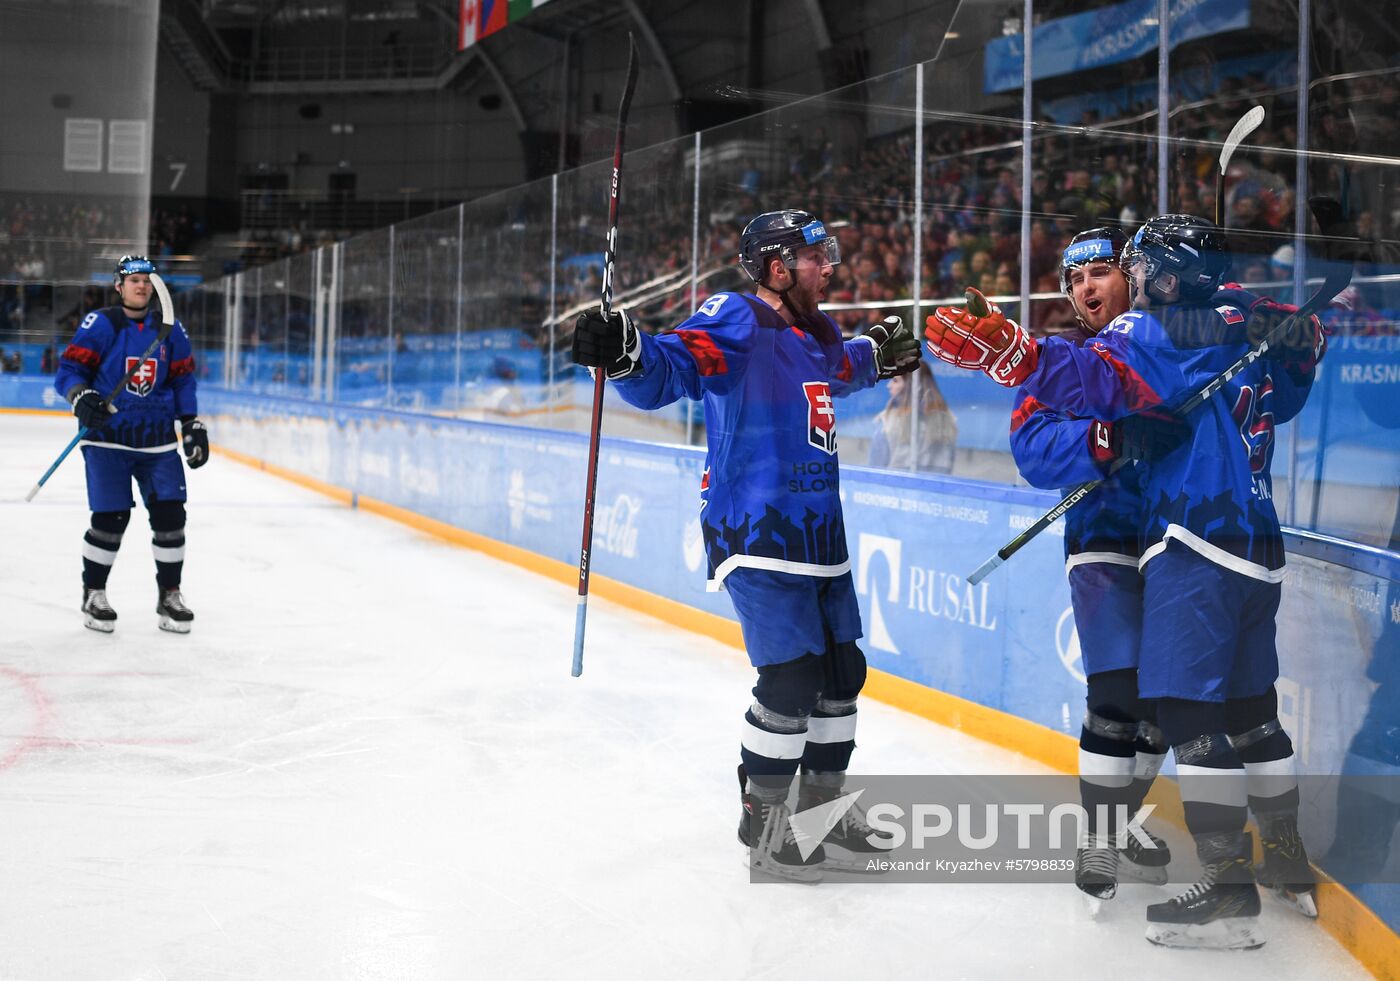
point(1008, 644)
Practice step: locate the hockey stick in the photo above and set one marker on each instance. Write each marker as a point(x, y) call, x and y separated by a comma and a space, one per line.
point(595, 428)
point(1247, 124)
point(167, 321)
point(1335, 282)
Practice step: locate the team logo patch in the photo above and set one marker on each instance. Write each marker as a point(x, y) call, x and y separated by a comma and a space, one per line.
point(143, 379)
point(821, 416)
point(1231, 314)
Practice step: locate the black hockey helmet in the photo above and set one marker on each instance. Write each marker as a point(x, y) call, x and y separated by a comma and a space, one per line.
point(1091, 245)
point(1185, 259)
point(781, 233)
point(129, 264)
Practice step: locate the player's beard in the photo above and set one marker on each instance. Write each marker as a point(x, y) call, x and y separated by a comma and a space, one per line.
point(803, 301)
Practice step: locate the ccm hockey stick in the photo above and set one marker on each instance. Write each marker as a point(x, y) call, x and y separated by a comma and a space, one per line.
point(1335, 282)
point(1247, 124)
point(595, 428)
point(167, 321)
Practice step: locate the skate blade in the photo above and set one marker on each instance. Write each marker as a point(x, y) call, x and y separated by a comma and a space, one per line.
point(1231, 933)
point(850, 863)
point(769, 872)
point(1303, 902)
point(1093, 905)
point(1152, 875)
point(101, 626)
point(175, 626)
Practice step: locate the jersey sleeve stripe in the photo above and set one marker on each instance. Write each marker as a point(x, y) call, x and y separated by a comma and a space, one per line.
point(1024, 411)
point(185, 366)
point(847, 369)
point(709, 359)
point(1137, 393)
point(86, 357)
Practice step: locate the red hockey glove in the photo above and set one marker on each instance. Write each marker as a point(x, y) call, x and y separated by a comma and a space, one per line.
point(1298, 348)
point(980, 336)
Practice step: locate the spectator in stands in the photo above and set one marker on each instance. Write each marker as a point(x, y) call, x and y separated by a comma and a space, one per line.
point(892, 446)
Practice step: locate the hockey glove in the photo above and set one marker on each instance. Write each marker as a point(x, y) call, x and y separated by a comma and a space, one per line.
point(1300, 345)
point(897, 350)
point(194, 438)
point(91, 411)
point(611, 343)
point(1133, 438)
point(980, 336)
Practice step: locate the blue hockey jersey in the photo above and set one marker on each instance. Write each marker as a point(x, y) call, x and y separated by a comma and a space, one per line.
point(162, 389)
point(770, 493)
point(1051, 450)
point(1215, 493)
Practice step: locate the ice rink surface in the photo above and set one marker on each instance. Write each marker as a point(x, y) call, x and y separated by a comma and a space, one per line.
point(368, 761)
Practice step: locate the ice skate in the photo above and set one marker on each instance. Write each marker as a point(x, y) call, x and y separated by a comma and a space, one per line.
point(1221, 911)
point(1142, 864)
point(851, 843)
point(765, 829)
point(97, 613)
point(1096, 872)
point(175, 616)
point(1286, 872)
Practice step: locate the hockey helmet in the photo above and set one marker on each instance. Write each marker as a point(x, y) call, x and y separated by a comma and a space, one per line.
point(129, 264)
point(1091, 245)
point(1184, 258)
point(782, 233)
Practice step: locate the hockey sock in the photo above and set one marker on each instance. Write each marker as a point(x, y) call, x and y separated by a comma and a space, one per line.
point(1108, 748)
point(168, 541)
point(1151, 754)
point(831, 736)
point(100, 546)
point(1107, 760)
point(1210, 772)
point(772, 747)
point(1267, 752)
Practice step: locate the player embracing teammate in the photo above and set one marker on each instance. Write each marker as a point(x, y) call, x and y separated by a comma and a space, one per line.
point(767, 366)
point(1211, 551)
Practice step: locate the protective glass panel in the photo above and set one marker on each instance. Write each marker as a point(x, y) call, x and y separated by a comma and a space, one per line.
point(364, 350)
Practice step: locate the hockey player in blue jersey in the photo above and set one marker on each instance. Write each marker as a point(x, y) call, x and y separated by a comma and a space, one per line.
point(767, 367)
point(1212, 557)
point(1120, 746)
point(134, 439)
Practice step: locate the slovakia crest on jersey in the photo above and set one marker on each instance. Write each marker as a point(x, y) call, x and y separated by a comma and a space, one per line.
point(1231, 314)
point(821, 416)
point(143, 379)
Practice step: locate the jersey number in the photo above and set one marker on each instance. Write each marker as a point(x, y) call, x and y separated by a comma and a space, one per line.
point(710, 308)
point(1254, 414)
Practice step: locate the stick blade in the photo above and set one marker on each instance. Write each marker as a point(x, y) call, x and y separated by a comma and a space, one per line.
point(1247, 124)
point(580, 619)
point(984, 570)
point(32, 491)
point(167, 307)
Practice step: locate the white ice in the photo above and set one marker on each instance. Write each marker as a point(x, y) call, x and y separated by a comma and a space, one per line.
point(368, 760)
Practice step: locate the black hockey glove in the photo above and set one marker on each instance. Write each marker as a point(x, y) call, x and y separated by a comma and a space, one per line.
point(1142, 437)
point(897, 350)
point(611, 343)
point(91, 411)
point(194, 438)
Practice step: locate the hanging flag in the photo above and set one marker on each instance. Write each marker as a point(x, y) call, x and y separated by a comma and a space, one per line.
point(495, 14)
point(468, 12)
point(519, 8)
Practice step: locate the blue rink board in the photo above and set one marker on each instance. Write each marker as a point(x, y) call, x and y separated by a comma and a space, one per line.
point(1009, 643)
